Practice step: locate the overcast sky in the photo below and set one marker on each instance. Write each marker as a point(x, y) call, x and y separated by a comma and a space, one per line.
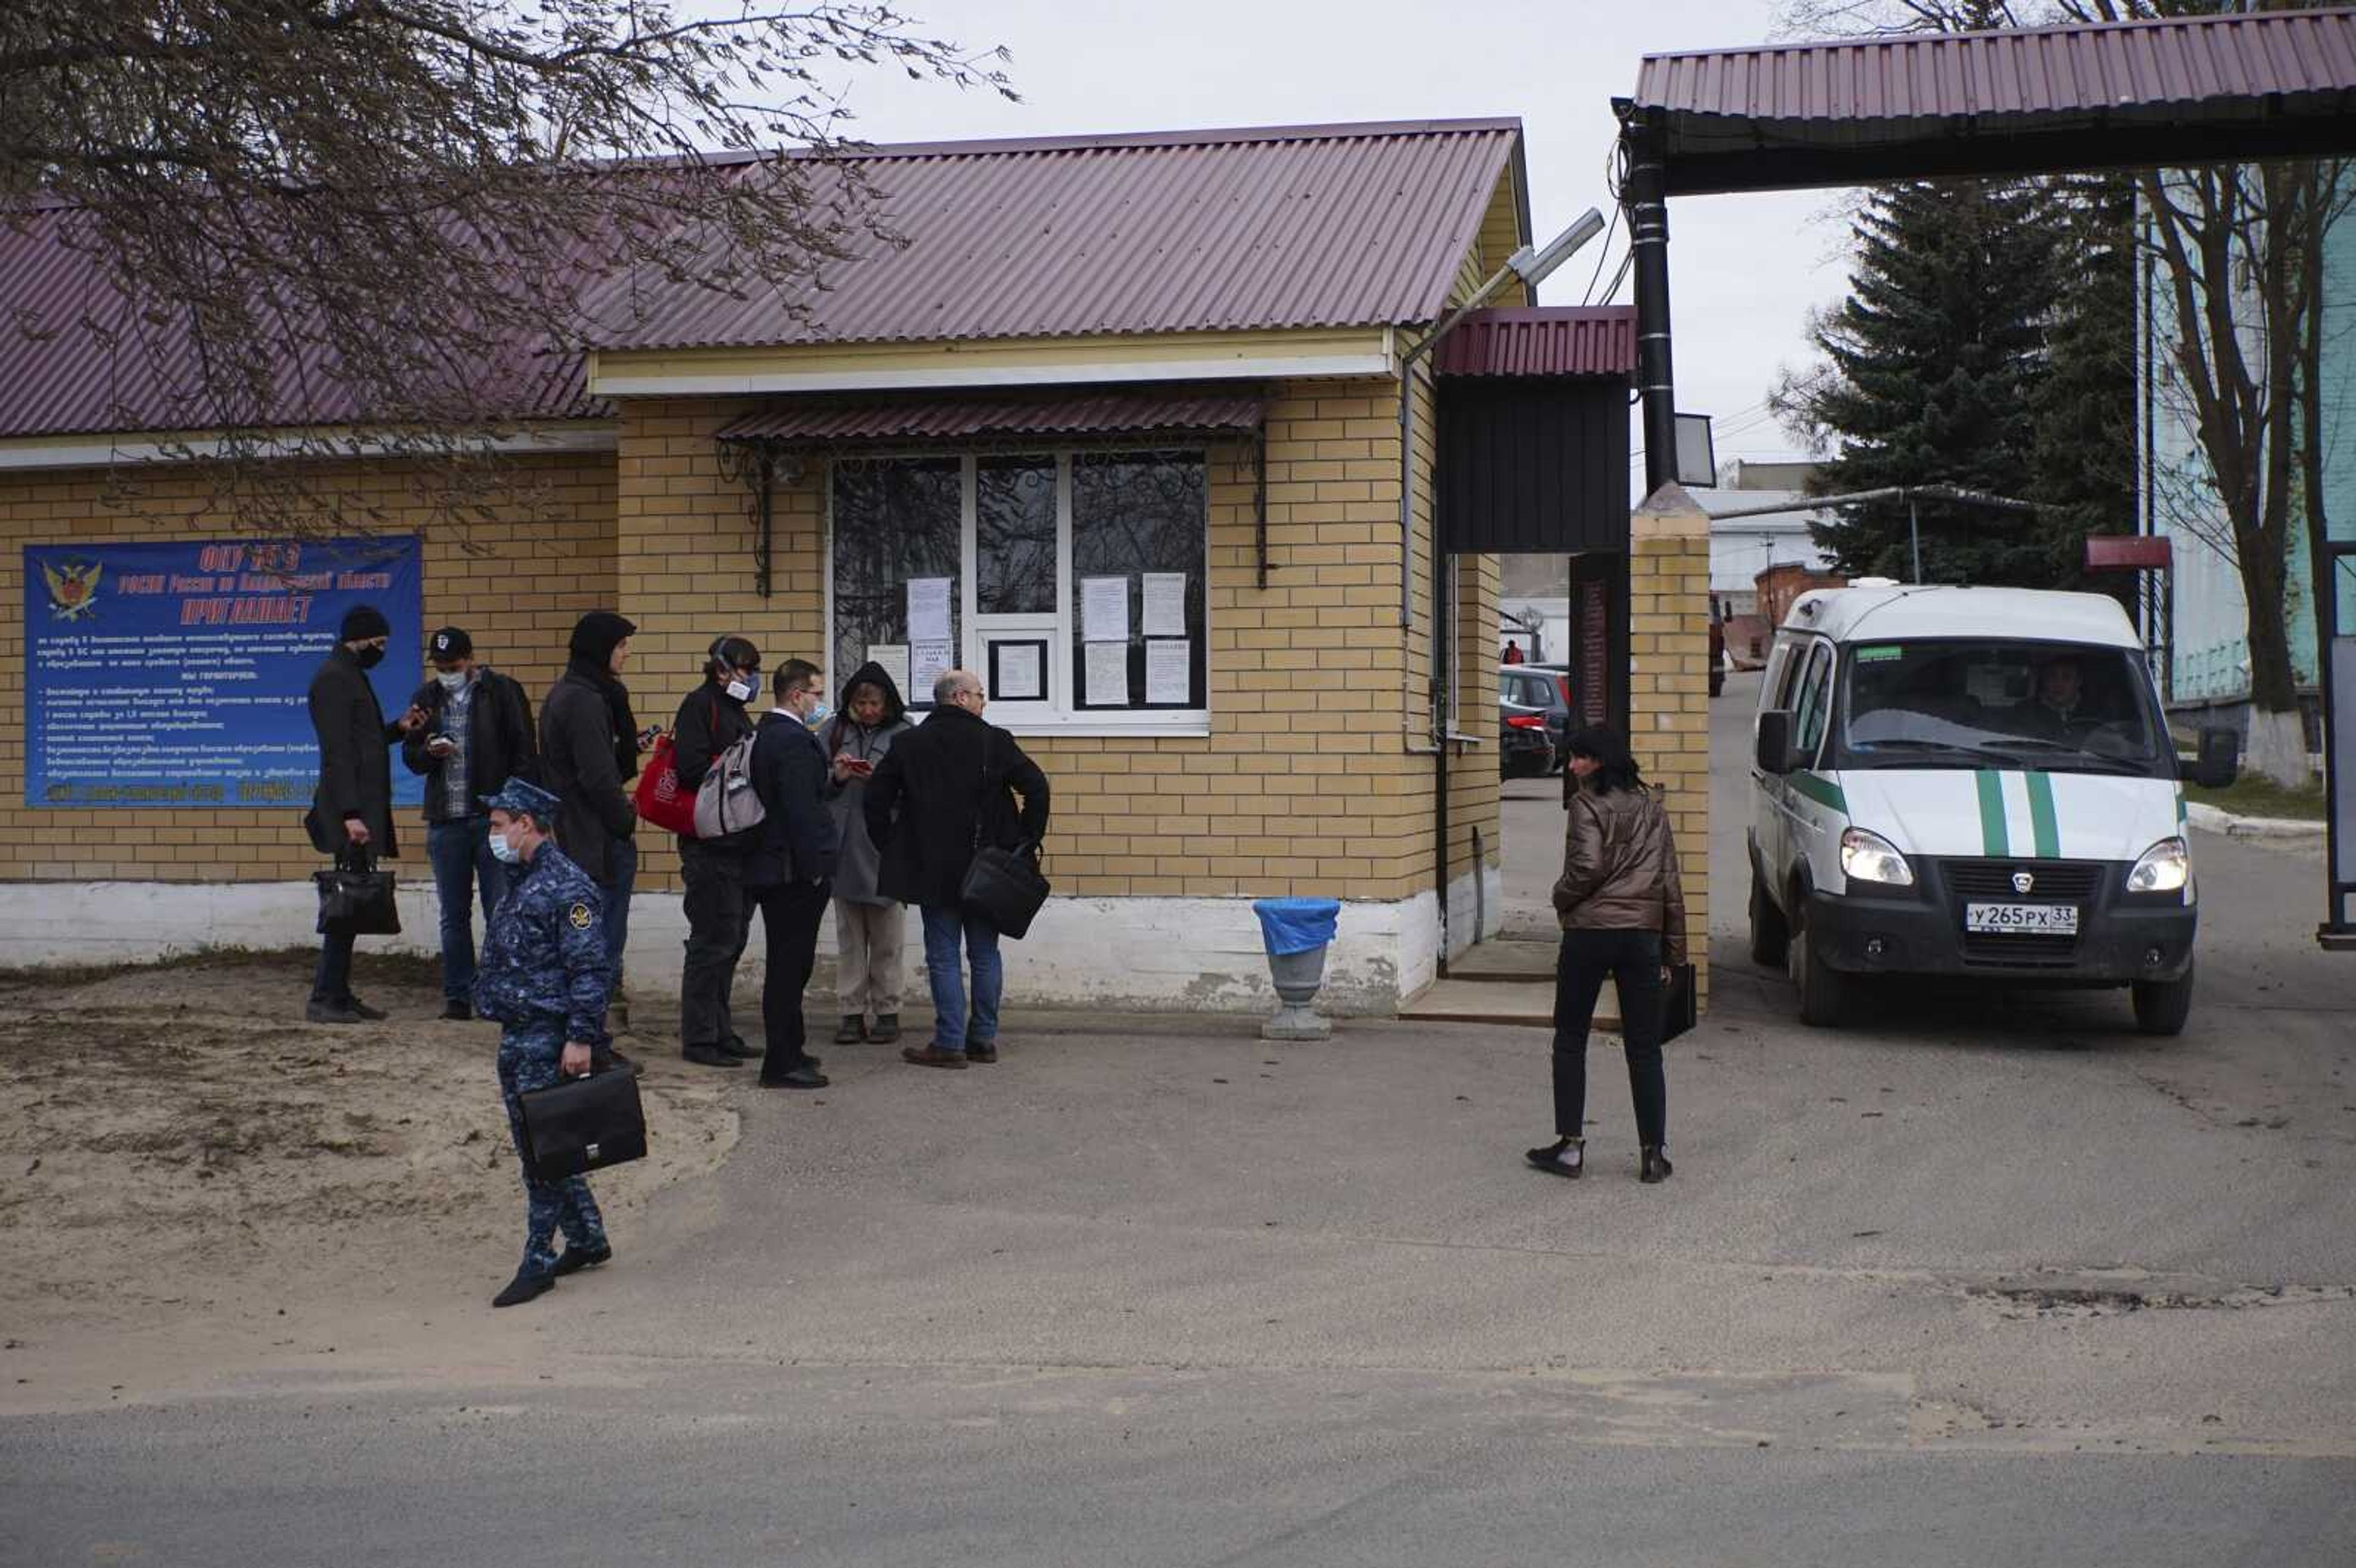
point(1745, 269)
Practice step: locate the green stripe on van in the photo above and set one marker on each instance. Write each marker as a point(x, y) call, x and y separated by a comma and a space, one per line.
point(2041, 817)
point(1994, 841)
point(1821, 790)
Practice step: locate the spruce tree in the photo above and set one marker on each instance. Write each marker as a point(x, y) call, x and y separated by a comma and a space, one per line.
point(1933, 369)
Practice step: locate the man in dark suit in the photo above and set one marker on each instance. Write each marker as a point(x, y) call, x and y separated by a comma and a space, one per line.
point(939, 794)
point(351, 810)
point(789, 867)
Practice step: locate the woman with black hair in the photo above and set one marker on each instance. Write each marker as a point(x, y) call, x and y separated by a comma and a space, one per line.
point(1623, 912)
point(718, 907)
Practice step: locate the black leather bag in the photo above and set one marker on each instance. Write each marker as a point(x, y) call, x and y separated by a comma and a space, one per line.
point(582, 1124)
point(1679, 1010)
point(1006, 887)
point(354, 898)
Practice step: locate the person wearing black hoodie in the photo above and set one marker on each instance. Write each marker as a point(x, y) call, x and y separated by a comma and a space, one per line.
point(869, 929)
point(589, 746)
point(712, 871)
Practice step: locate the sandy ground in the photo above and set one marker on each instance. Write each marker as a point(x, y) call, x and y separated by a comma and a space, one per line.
point(176, 1140)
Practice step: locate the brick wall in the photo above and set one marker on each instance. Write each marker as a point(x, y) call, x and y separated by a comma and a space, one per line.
point(1668, 686)
point(516, 580)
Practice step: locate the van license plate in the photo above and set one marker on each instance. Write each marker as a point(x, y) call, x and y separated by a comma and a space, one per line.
point(2022, 920)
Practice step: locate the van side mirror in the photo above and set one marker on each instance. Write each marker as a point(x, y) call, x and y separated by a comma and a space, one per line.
point(1774, 741)
point(2219, 763)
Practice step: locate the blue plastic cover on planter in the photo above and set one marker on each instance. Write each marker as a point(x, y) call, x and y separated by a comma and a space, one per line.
point(1297, 925)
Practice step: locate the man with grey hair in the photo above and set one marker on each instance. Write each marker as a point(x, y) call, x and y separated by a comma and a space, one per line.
point(943, 790)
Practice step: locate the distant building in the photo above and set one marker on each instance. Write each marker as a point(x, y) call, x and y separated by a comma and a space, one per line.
point(1743, 547)
point(1778, 587)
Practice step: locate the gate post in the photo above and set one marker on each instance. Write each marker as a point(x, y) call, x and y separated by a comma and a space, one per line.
point(1668, 686)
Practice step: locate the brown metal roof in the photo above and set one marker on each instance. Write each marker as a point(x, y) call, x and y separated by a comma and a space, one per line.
point(1204, 409)
point(1316, 226)
point(2236, 85)
point(1541, 340)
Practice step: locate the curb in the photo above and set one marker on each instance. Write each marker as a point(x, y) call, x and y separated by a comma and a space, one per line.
point(2213, 819)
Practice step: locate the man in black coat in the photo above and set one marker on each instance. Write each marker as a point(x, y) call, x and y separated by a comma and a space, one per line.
point(719, 913)
point(940, 793)
point(790, 869)
point(477, 732)
point(589, 747)
point(351, 810)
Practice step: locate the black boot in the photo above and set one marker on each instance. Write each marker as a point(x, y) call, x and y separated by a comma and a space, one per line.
point(527, 1286)
point(887, 1030)
point(573, 1259)
point(1656, 1165)
point(853, 1029)
point(1564, 1157)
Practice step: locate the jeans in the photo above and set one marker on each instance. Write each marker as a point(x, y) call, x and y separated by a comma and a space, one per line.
point(1633, 959)
point(622, 864)
point(719, 918)
point(332, 980)
point(789, 916)
point(460, 851)
point(943, 925)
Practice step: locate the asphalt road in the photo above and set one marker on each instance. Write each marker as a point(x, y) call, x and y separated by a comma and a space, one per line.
point(1987, 1279)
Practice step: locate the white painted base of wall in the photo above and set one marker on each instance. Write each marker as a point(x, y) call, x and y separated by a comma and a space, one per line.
point(1120, 953)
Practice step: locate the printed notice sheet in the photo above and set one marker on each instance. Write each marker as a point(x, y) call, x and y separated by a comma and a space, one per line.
point(928, 662)
point(894, 657)
point(1165, 604)
point(1107, 674)
point(1019, 673)
point(1104, 610)
point(1169, 669)
point(928, 609)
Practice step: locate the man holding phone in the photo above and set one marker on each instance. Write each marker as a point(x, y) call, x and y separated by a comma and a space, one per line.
point(476, 734)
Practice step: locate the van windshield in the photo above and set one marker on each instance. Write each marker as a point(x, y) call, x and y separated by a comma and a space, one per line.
point(1951, 702)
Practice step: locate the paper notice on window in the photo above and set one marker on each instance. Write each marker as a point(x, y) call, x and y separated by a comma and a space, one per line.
point(1107, 674)
point(1169, 670)
point(928, 662)
point(1104, 610)
point(1019, 673)
point(928, 609)
point(894, 657)
point(1165, 604)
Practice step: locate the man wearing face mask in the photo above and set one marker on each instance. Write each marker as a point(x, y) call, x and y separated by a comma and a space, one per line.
point(351, 810)
point(718, 906)
point(478, 731)
point(793, 859)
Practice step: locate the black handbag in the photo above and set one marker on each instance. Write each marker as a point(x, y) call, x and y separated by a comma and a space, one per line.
point(1678, 1006)
point(1006, 887)
point(354, 898)
point(582, 1124)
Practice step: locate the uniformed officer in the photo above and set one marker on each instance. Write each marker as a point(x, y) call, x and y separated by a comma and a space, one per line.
point(543, 979)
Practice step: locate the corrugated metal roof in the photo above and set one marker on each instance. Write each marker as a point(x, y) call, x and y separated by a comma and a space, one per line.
point(952, 416)
point(1541, 340)
point(2070, 71)
point(1317, 226)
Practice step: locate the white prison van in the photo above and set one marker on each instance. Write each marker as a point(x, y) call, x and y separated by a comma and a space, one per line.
point(1970, 781)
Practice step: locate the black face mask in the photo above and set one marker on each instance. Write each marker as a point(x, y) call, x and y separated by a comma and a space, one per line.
point(369, 658)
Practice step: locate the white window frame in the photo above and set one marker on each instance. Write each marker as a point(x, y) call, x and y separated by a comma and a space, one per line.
point(1059, 715)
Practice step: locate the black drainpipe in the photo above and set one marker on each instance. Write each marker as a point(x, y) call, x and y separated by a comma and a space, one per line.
point(1648, 239)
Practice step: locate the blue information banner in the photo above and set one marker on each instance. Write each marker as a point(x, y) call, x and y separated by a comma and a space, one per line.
point(174, 675)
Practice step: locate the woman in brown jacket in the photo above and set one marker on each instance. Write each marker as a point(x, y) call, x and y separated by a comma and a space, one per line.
point(1623, 914)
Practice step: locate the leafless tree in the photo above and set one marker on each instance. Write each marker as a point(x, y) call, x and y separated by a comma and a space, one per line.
point(393, 216)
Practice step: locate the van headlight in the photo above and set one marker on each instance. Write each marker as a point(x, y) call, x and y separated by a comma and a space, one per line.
point(1869, 857)
point(2164, 868)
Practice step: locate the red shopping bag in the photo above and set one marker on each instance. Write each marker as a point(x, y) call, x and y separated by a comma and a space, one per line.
point(661, 799)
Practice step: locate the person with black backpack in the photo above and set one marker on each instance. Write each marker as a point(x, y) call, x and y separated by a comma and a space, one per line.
point(718, 909)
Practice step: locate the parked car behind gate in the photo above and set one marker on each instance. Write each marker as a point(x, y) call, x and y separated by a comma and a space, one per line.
point(1533, 717)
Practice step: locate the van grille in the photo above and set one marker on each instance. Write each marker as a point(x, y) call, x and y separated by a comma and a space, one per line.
point(2057, 881)
point(2021, 951)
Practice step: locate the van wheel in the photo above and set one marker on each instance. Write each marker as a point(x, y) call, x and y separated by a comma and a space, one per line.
point(2162, 1006)
point(1823, 990)
point(1768, 936)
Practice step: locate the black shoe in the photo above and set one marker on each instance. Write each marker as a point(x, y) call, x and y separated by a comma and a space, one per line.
point(852, 1030)
point(887, 1030)
point(711, 1056)
point(373, 1015)
point(330, 1013)
point(575, 1259)
point(525, 1286)
point(1549, 1159)
point(802, 1075)
point(605, 1059)
point(981, 1051)
point(735, 1047)
point(459, 1011)
point(1656, 1165)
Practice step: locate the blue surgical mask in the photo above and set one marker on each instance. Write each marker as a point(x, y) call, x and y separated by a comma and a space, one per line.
point(817, 716)
point(503, 851)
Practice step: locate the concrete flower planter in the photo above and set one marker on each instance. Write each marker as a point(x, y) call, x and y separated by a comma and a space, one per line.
point(1297, 931)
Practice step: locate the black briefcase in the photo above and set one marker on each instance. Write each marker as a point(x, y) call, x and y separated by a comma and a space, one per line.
point(355, 898)
point(582, 1124)
point(1678, 1006)
point(1006, 887)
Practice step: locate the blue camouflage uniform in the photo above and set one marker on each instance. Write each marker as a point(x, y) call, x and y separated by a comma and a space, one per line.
point(543, 978)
